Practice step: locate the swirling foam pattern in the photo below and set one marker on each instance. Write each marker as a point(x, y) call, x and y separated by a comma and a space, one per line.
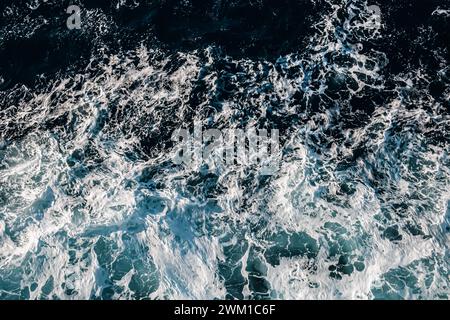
point(93, 207)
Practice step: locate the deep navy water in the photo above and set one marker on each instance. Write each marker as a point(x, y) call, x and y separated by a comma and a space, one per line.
point(93, 207)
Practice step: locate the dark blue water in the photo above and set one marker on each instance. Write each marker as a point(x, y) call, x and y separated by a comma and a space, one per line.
point(92, 205)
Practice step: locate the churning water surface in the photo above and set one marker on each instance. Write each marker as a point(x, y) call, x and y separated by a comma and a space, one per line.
point(93, 207)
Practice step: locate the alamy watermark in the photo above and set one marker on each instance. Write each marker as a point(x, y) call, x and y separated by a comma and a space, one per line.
point(228, 148)
point(377, 12)
point(74, 20)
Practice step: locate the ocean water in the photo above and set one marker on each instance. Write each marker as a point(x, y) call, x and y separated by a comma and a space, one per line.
point(92, 205)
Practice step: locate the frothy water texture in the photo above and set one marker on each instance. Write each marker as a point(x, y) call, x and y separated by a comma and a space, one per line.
point(93, 207)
